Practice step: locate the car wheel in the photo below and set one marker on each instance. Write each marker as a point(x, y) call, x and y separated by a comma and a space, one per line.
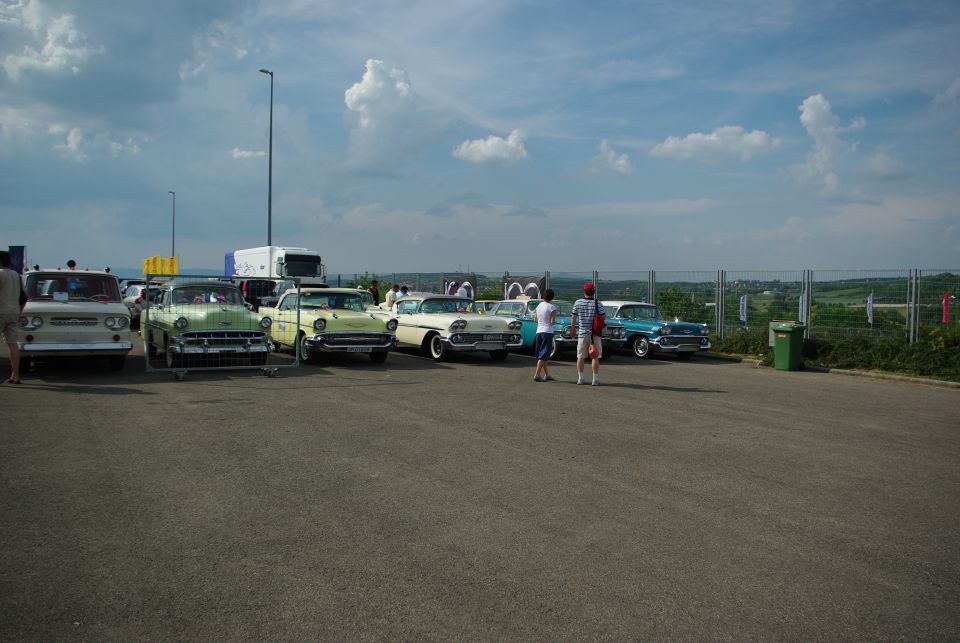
point(303, 351)
point(438, 349)
point(640, 346)
point(378, 358)
point(498, 356)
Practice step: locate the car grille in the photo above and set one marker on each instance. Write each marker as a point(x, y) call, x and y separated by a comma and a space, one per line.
point(355, 339)
point(470, 338)
point(73, 321)
point(685, 339)
point(224, 337)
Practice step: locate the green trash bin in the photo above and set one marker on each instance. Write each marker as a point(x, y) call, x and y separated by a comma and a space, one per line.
point(788, 345)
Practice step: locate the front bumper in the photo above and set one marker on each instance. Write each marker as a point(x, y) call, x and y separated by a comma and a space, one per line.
point(203, 347)
point(75, 348)
point(482, 341)
point(680, 344)
point(352, 342)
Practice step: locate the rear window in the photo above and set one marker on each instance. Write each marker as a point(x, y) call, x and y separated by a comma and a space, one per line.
point(72, 286)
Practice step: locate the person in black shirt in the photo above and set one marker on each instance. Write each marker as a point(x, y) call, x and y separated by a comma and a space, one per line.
point(375, 291)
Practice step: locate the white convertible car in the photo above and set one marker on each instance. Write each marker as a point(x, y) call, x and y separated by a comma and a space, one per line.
point(441, 324)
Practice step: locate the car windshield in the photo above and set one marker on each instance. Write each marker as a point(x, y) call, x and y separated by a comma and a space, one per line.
point(639, 313)
point(72, 286)
point(213, 294)
point(331, 301)
point(446, 306)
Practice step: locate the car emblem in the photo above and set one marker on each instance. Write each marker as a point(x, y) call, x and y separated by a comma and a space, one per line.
point(687, 332)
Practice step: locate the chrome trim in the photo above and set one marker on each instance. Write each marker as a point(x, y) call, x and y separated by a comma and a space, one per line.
point(319, 342)
point(684, 342)
point(87, 346)
point(473, 345)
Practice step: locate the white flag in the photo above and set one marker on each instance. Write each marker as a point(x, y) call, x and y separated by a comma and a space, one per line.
point(743, 308)
point(870, 308)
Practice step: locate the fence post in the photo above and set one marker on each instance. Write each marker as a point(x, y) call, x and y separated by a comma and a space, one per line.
point(721, 301)
point(546, 279)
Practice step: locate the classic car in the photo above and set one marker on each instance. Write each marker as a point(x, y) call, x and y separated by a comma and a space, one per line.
point(330, 320)
point(648, 331)
point(72, 313)
point(191, 321)
point(442, 324)
point(564, 338)
point(134, 298)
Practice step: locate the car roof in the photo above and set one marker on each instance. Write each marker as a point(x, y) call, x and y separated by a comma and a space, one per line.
point(67, 271)
point(607, 302)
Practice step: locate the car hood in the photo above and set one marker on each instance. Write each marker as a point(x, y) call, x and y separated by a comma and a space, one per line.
point(343, 320)
point(74, 307)
point(679, 328)
point(474, 321)
point(211, 314)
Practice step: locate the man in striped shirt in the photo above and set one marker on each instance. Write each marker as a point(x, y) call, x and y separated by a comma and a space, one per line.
point(582, 319)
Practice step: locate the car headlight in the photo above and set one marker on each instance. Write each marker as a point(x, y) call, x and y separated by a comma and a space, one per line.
point(181, 323)
point(392, 325)
point(266, 322)
point(514, 325)
point(666, 330)
point(31, 323)
point(619, 332)
point(319, 324)
point(455, 338)
point(123, 322)
point(566, 332)
point(704, 331)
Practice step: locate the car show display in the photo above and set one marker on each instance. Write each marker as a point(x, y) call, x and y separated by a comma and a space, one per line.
point(330, 320)
point(201, 322)
point(443, 324)
point(72, 313)
point(647, 331)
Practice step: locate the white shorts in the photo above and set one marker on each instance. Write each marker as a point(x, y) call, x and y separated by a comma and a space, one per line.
point(583, 347)
point(10, 328)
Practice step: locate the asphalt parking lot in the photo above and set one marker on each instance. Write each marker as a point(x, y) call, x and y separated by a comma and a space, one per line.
point(416, 500)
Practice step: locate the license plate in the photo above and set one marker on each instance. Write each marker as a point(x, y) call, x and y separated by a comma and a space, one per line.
point(687, 348)
point(359, 349)
point(491, 338)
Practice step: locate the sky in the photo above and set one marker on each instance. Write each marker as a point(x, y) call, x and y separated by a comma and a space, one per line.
point(489, 135)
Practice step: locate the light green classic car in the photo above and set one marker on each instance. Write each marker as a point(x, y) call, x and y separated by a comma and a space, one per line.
point(192, 321)
point(330, 320)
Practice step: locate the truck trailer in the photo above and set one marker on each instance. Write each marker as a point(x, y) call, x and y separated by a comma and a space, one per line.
point(277, 262)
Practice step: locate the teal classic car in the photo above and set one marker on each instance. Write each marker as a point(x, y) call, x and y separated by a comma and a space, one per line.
point(192, 321)
point(564, 338)
point(648, 331)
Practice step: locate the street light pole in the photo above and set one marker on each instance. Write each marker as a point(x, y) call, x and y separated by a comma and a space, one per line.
point(173, 233)
point(270, 167)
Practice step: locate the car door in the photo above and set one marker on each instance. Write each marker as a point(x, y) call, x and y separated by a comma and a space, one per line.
point(408, 331)
point(286, 322)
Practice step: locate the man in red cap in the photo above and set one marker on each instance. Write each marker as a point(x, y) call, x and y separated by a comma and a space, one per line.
point(584, 310)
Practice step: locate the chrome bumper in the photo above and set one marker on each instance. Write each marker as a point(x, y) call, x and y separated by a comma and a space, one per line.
point(325, 343)
point(570, 343)
point(79, 347)
point(668, 345)
point(488, 345)
point(179, 348)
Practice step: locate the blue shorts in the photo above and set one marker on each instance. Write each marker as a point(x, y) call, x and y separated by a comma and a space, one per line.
point(543, 345)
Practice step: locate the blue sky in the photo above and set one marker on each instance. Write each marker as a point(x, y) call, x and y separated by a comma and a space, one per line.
point(499, 135)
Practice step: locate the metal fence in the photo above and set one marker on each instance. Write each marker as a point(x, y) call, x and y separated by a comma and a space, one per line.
point(202, 322)
point(832, 303)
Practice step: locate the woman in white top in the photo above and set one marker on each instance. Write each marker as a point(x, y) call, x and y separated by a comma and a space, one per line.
point(546, 316)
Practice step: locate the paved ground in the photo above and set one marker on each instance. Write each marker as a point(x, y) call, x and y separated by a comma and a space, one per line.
point(413, 500)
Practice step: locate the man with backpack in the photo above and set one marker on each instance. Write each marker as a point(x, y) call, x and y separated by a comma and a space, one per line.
point(588, 318)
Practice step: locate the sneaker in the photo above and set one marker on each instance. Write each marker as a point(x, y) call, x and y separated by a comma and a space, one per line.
point(580, 382)
point(537, 379)
point(595, 382)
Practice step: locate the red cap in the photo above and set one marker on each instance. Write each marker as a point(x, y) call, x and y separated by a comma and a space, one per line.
point(588, 287)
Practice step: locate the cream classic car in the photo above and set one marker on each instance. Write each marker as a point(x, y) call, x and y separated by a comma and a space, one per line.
point(330, 320)
point(441, 324)
point(73, 313)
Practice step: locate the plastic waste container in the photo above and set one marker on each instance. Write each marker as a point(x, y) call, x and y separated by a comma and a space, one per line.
point(788, 345)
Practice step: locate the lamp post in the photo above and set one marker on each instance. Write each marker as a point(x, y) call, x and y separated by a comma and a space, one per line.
point(173, 232)
point(270, 166)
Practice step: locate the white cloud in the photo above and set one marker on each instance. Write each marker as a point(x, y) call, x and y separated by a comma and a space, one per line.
point(237, 153)
point(71, 145)
point(493, 149)
point(824, 128)
point(386, 126)
point(950, 96)
point(56, 42)
point(609, 161)
point(882, 165)
point(731, 140)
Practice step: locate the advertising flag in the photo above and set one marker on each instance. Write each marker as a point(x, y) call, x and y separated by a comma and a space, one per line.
point(532, 287)
point(946, 307)
point(743, 308)
point(870, 308)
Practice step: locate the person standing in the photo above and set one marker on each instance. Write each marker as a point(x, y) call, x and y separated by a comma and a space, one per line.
point(584, 310)
point(404, 291)
point(545, 315)
point(374, 290)
point(10, 314)
point(392, 295)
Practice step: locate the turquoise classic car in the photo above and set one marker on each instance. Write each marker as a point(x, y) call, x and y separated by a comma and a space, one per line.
point(564, 339)
point(648, 331)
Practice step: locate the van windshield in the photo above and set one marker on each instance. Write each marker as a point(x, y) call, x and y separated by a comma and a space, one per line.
point(64, 286)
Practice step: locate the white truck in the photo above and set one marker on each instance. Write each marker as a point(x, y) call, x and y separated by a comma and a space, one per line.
point(277, 262)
